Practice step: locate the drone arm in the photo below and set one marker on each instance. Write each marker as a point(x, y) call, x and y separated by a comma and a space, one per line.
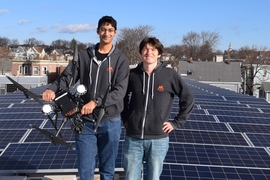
point(75, 65)
point(102, 109)
point(54, 124)
point(65, 119)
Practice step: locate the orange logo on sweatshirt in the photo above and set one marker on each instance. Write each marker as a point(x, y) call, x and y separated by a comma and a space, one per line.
point(160, 88)
point(110, 69)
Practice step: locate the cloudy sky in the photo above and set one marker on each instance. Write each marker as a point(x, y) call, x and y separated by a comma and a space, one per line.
point(239, 22)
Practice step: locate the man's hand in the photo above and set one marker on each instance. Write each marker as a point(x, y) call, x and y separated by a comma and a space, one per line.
point(88, 108)
point(167, 127)
point(48, 95)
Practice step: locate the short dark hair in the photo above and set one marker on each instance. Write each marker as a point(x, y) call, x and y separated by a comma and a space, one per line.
point(153, 42)
point(107, 19)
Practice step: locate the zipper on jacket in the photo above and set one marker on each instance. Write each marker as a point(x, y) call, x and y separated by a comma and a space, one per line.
point(145, 107)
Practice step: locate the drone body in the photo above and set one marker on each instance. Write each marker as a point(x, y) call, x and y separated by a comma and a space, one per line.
point(65, 103)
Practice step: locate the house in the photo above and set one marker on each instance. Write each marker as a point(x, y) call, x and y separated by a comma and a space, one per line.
point(264, 91)
point(18, 53)
point(219, 74)
point(262, 75)
point(49, 68)
point(218, 58)
point(166, 57)
point(38, 63)
point(35, 53)
point(58, 54)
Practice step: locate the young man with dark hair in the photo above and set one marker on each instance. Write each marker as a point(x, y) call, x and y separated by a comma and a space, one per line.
point(148, 102)
point(100, 67)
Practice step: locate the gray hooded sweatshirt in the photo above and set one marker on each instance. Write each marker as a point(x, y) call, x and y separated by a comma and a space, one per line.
point(98, 75)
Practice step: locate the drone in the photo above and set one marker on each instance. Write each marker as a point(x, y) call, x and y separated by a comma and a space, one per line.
point(69, 105)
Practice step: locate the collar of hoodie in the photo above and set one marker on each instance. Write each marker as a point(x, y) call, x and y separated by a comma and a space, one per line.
point(152, 75)
point(94, 59)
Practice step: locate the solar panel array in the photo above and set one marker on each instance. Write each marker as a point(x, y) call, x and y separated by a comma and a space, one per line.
point(226, 137)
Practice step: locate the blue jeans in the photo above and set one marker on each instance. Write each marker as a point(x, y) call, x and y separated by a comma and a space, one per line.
point(153, 151)
point(105, 141)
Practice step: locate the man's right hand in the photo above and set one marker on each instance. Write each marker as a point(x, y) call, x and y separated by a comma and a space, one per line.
point(88, 108)
point(48, 95)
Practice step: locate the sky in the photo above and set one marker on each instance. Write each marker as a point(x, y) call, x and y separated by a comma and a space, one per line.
point(239, 22)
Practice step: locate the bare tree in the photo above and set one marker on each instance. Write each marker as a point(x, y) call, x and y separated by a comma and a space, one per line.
point(80, 45)
point(128, 41)
point(60, 44)
point(33, 42)
point(210, 38)
point(205, 52)
point(192, 42)
point(5, 62)
point(256, 65)
point(4, 41)
point(200, 46)
point(178, 51)
point(14, 42)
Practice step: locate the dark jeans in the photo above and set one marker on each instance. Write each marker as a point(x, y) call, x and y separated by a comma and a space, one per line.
point(105, 141)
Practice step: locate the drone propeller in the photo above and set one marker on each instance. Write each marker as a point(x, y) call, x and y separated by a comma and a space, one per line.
point(54, 139)
point(25, 91)
point(102, 110)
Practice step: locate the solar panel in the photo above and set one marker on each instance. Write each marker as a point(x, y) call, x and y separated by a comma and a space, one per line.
point(256, 128)
point(236, 113)
point(30, 157)
point(216, 155)
point(207, 126)
point(208, 137)
point(199, 117)
point(9, 136)
point(187, 172)
point(229, 108)
point(22, 116)
point(259, 139)
point(21, 110)
point(244, 120)
point(219, 103)
point(226, 137)
point(19, 124)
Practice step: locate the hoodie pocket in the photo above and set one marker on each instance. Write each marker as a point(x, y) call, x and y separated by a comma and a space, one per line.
point(153, 123)
point(135, 121)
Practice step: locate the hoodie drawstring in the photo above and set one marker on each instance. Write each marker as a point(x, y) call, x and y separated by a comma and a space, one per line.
point(90, 72)
point(110, 73)
point(143, 90)
point(153, 83)
point(153, 80)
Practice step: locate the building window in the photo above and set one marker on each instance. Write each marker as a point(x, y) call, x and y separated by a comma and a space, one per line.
point(20, 69)
point(35, 70)
point(26, 70)
point(44, 70)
